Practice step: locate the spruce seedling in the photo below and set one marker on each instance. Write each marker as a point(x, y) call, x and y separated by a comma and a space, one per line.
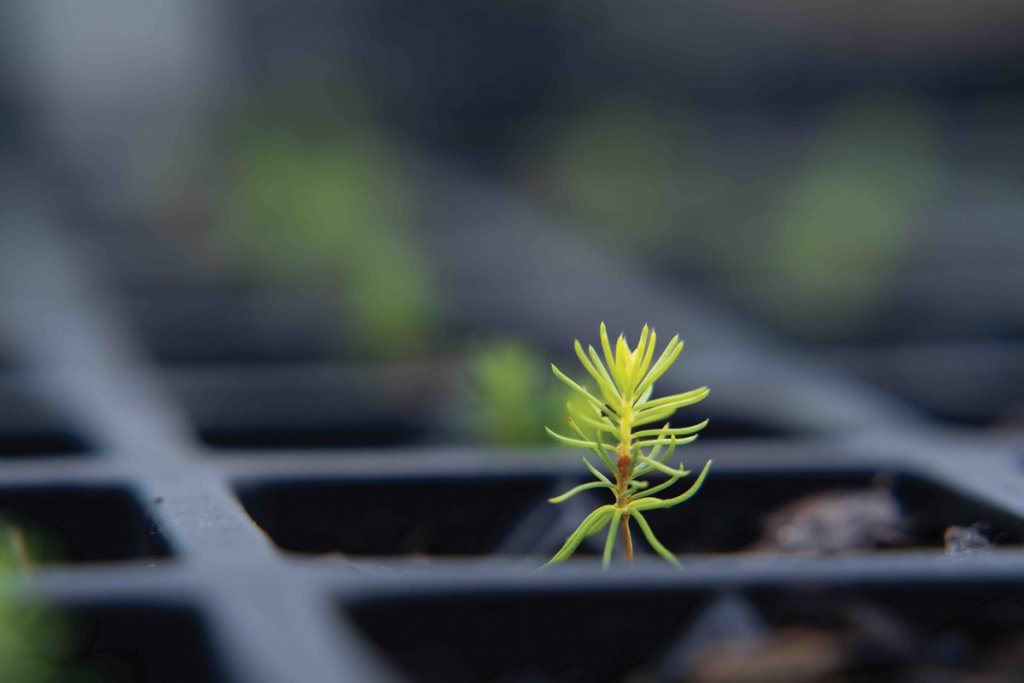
point(625, 382)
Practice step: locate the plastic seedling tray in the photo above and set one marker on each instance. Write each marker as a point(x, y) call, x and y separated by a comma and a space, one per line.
point(353, 562)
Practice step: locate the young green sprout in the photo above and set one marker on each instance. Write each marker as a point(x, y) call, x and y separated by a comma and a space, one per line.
point(625, 382)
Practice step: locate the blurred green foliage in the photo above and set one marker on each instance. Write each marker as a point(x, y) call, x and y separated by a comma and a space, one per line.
point(812, 235)
point(35, 640)
point(628, 172)
point(509, 400)
point(335, 210)
point(848, 221)
point(35, 644)
point(39, 643)
point(24, 544)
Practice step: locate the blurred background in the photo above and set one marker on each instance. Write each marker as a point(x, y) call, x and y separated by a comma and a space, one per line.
point(298, 203)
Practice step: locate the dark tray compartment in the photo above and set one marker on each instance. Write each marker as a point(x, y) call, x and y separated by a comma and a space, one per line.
point(312, 406)
point(123, 642)
point(424, 515)
point(30, 428)
point(76, 524)
point(525, 635)
point(207, 324)
point(727, 514)
point(466, 516)
point(615, 631)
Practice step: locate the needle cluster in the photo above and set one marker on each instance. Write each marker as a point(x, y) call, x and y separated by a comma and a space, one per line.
point(612, 426)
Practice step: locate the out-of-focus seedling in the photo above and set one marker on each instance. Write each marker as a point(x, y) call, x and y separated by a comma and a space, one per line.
point(508, 400)
point(625, 383)
point(349, 201)
point(35, 640)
